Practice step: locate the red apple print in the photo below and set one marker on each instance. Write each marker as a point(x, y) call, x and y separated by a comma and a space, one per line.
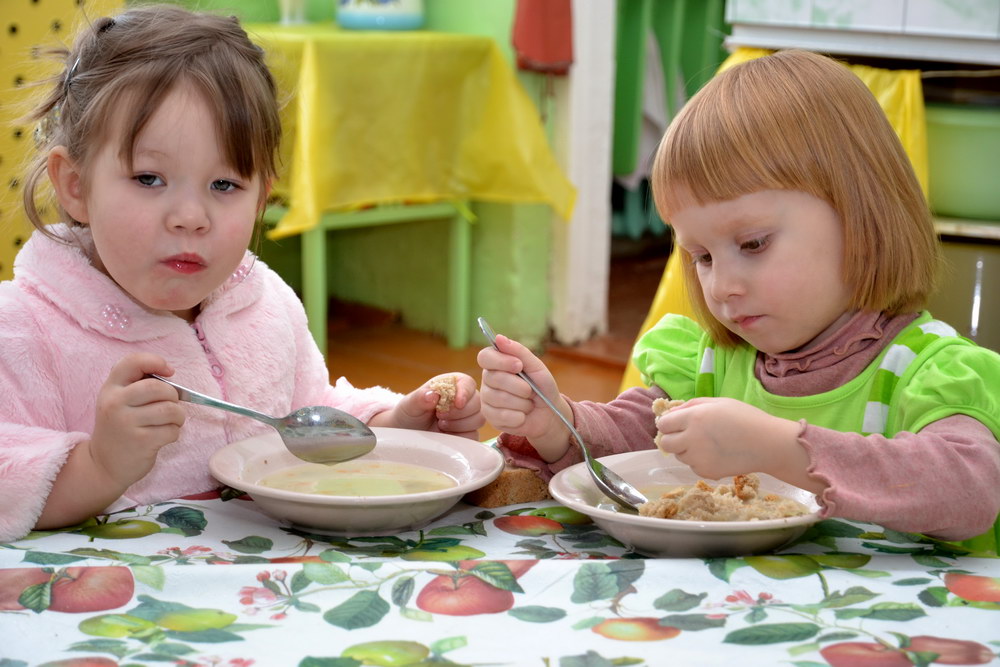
point(81, 589)
point(527, 525)
point(13, 581)
point(973, 587)
point(863, 654)
point(952, 651)
point(204, 495)
point(517, 567)
point(463, 595)
point(635, 629)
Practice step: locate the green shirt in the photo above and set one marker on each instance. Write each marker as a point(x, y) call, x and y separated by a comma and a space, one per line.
point(928, 372)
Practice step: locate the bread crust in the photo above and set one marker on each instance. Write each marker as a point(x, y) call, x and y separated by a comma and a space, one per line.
point(513, 486)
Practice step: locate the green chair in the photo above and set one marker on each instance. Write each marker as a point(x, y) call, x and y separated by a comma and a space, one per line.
point(315, 293)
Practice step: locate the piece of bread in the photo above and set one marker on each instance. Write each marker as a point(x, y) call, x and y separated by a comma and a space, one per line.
point(513, 486)
point(660, 406)
point(446, 387)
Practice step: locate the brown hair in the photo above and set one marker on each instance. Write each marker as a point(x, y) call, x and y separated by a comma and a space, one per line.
point(796, 120)
point(129, 63)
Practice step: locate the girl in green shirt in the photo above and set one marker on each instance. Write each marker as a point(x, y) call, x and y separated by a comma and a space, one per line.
point(809, 254)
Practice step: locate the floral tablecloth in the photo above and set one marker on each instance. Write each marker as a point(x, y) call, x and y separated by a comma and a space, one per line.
point(207, 581)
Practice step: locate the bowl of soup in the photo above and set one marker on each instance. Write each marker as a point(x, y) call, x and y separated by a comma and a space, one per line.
point(655, 475)
point(408, 480)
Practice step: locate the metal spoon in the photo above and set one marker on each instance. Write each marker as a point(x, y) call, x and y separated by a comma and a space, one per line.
point(609, 483)
point(318, 434)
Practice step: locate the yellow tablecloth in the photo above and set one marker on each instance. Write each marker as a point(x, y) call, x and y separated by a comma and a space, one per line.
point(383, 117)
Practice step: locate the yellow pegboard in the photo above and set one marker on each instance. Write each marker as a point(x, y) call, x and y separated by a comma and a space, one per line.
point(26, 25)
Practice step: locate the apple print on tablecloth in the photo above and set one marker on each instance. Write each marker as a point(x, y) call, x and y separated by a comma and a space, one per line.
point(973, 587)
point(71, 590)
point(921, 650)
point(475, 587)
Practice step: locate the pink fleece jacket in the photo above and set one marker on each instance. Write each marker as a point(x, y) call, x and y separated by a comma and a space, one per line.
point(64, 324)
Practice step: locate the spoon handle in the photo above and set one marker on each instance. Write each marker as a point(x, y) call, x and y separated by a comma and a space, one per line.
point(191, 396)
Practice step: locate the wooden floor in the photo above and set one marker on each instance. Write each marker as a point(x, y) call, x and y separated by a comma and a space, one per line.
point(370, 347)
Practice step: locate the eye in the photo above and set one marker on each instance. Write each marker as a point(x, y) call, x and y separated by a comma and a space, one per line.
point(148, 180)
point(755, 245)
point(701, 258)
point(223, 185)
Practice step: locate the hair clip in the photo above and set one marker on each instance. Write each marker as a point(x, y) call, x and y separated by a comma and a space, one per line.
point(69, 76)
point(108, 24)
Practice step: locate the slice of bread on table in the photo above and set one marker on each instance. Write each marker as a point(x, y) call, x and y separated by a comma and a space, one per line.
point(513, 486)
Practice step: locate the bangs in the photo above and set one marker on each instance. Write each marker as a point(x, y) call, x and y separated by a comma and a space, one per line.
point(723, 145)
point(249, 129)
point(800, 121)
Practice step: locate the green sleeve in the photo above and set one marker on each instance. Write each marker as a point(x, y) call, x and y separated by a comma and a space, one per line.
point(957, 379)
point(668, 355)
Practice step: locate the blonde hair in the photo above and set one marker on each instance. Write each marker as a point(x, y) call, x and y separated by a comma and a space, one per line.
point(796, 120)
point(129, 63)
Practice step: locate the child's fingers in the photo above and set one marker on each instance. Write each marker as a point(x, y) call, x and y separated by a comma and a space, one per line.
point(670, 428)
point(465, 424)
point(134, 367)
point(529, 362)
point(465, 403)
point(507, 402)
point(507, 392)
point(490, 359)
point(503, 419)
point(466, 392)
point(671, 443)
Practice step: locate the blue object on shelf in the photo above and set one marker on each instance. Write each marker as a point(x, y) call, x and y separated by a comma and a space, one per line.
point(380, 14)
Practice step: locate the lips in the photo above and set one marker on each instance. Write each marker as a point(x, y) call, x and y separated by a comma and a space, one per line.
point(185, 263)
point(744, 321)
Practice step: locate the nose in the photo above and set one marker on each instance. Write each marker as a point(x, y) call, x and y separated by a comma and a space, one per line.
point(725, 282)
point(189, 214)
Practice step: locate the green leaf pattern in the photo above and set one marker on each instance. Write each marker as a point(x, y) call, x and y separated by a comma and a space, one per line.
point(217, 583)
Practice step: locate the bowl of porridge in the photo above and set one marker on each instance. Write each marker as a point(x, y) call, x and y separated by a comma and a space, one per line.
point(689, 516)
point(408, 480)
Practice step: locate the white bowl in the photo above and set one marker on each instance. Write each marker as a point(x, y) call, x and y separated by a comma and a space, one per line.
point(574, 488)
point(471, 464)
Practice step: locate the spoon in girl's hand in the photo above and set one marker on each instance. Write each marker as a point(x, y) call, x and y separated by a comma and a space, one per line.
point(605, 479)
point(317, 434)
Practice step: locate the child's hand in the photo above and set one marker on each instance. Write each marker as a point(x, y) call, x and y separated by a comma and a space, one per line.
point(447, 403)
point(136, 416)
point(720, 437)
point(510, 405)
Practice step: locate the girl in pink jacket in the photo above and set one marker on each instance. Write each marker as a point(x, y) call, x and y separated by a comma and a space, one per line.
point(159, 141)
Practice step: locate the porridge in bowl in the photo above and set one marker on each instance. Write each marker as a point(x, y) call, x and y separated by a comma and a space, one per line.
point(740, 501)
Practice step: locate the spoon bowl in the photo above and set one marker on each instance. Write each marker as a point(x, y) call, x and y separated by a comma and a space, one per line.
point(318, 434)
point(609, 483)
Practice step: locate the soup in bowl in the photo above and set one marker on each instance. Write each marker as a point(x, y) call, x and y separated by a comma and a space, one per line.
point(408, 480)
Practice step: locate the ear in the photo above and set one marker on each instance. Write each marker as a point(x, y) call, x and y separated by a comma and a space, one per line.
point(265, 192)
point(67, 183)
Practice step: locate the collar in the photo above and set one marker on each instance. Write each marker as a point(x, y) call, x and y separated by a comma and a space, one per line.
point(61, 273)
